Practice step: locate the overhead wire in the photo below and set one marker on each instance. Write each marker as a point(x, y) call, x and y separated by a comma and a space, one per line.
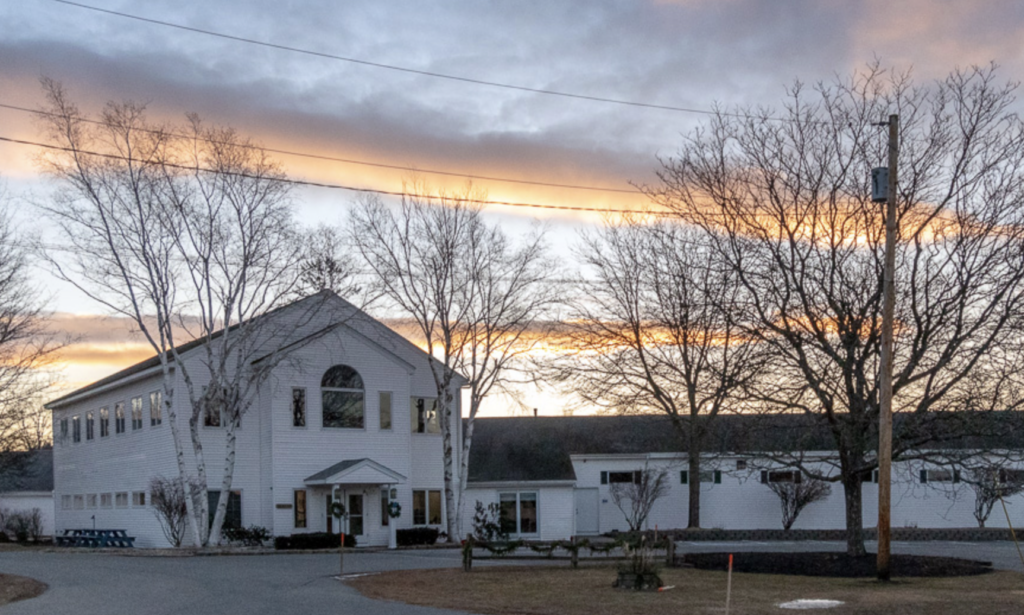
point(416, 71)
point(380, 165)
point(313, 184)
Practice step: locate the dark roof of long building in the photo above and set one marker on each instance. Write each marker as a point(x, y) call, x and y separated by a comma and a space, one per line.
point(538, 448)
point(27, 471)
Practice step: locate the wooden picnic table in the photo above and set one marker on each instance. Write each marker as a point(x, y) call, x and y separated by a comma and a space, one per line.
point(95, 538)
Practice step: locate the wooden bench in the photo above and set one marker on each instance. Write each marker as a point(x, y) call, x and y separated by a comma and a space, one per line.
point(95, 538)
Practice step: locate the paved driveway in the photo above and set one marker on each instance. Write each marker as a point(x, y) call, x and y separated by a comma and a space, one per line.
point(102, 584)
point(83, 583)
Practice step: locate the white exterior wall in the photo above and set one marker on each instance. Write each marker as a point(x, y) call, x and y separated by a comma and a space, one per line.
point(272, 457)
point(302, 451)
point(555, 508)
point(26, 501)
point(118, 463)
point(741, 501)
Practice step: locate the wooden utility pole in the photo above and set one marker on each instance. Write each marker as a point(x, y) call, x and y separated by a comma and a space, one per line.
point(885, 377)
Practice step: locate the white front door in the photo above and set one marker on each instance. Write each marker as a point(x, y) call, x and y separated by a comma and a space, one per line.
point(586, 511)
point(355, 514)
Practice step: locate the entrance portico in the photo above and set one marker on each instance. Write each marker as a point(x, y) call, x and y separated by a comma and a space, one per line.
point(357, 484)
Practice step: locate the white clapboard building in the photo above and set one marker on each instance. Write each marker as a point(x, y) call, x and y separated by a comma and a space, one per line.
point(347, 414)
point(553, 476)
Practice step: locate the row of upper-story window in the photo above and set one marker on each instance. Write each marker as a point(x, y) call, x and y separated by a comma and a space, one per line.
point(98, 422)
point(88, 501)
point(343, 404)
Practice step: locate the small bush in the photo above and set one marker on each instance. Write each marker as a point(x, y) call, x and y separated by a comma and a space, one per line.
point(252, 536)
point(312, 540)
point(417, 536)
point(24, 524)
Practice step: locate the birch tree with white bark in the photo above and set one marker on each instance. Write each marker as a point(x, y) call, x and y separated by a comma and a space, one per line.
point(478, 300)
point(181, 229)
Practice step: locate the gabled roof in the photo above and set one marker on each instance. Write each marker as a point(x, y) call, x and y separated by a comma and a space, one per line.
point(356, 472)
point(27, 471)
point(349, 315)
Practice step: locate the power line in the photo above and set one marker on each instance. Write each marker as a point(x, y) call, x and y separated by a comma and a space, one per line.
point(415, 71)
point(380, 165)
point(312, 184)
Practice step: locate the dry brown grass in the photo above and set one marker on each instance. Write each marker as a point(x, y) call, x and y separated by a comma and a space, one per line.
point(588, 591)
point(14, 588)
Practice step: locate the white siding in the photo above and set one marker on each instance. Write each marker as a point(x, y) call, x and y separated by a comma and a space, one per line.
point(741, 501)
point(26, 501)
point(555, 507)
point(272, 457)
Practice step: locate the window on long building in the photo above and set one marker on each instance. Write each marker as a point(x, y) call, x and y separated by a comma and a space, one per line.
point(424, 415)
point(518, 512)
point(136, 413)
point(300, 508)
point(104, 422)
point(342, 395)
point(156, 413)
point(384, 407)
point(89, 433)
point(298, 408)
point(426, 507)
point(119, 417)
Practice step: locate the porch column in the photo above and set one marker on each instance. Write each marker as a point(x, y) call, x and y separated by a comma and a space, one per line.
point(392, 523)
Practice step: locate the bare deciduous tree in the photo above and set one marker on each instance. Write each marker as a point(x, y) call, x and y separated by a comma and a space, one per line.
point(326, 266)
point(636, 498)
point(27, 350)
point(991, 483)
point(796, 493)
point(474, 295)
point(169, 501)
point(653, 330)
point(786, 202)
point(184, 228)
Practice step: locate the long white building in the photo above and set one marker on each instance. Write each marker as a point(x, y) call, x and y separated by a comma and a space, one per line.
point(558, 473)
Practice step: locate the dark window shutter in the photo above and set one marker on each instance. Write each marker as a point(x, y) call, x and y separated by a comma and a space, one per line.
point(764, 476)
point(604, 478)
point(798, 476)
point(683, 477)
point(924, 476)
point(638, 477)
point(956, 476)
point(718, 477)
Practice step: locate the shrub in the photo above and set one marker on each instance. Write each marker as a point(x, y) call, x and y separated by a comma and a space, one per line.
point(487, 522)
point(24, 524)
point(252, 536)
point(312, 540)
point(417, 536)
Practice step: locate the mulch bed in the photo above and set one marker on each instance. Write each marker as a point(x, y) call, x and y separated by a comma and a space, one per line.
point(837, 564)
point(14, 588)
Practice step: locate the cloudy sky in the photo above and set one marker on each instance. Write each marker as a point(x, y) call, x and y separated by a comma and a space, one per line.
point(685, 54)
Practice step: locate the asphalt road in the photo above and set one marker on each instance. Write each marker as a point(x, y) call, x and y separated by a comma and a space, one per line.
point(103, 584)
point(83, 583)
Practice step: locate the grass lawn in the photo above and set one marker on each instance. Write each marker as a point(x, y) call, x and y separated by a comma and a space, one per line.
point(14, 588)
point(588, 591)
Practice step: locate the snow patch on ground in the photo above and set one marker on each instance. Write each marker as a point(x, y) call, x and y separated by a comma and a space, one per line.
point(805, 604)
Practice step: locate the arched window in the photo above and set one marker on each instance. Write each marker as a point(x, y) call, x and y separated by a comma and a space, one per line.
point(342, 390)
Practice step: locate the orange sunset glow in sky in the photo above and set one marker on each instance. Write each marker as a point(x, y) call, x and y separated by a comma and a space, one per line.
point(565, 105)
